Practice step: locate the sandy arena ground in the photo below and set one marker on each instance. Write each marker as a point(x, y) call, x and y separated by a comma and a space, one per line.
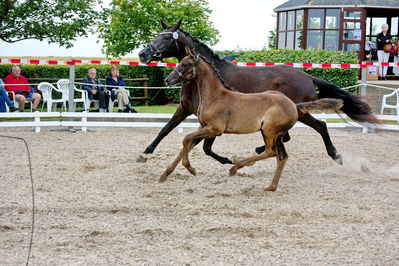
point(96, 206)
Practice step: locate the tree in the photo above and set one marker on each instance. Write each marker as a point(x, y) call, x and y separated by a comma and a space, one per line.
point(130, 24)
point(271, 40)
point(57, 21)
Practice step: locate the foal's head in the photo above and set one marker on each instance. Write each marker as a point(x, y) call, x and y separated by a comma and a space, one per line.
point(185, 71)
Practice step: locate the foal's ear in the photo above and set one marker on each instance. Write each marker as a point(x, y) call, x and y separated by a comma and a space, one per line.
point(164, 26)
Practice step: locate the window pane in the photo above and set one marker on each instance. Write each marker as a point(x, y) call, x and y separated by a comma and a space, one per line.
point(368, 24)
point(353, 14)
point(352, 25)
point(351, 46)
point(282, 21)
point(394, 26)
point(331, 42)
point(316, 19)
point(291, 20)
point(315, 39)
point(290, 40)
point(299, 19)
point(298, 40)
point(376, 25)
point(355, 35)
point(332, 18)
point(281, 40)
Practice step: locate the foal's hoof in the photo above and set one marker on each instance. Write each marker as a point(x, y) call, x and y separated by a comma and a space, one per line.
point(162, 179)
point(233, 170)
point(192, 171)
point(338, 159)
point(270, 188)
point(141, 159)
point(260, 149)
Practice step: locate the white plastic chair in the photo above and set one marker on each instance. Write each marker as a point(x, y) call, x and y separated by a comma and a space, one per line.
point(63, 85)
point(16, 104)
point(390, 106)
point(111, 103)
point(47, 89)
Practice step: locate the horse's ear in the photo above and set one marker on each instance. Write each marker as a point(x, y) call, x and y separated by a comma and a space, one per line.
point(188, 51)
point(164, 26)
point(177, 26)
point(193, 52)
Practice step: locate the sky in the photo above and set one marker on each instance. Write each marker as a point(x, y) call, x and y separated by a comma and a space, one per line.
point(241, 23)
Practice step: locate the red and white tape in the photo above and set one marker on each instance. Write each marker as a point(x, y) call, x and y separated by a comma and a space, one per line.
point(132, 63)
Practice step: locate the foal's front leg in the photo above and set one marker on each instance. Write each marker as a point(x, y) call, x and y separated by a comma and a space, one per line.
point(201, 133)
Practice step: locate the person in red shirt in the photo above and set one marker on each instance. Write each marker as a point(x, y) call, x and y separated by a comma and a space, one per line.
point(20, 86)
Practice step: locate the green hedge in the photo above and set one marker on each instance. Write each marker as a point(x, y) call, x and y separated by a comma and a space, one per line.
point(339, 77)
point(155, 75)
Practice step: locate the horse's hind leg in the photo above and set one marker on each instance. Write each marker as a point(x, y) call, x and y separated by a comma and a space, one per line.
point(173, 165)
point(321, 128)
point(208, 151)
point(282, 158)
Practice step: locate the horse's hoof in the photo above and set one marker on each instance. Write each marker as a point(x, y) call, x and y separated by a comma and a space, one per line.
point(233, 170)
point(162, 178)
point(141, 159)
point(234, 159)
point(338, 159)
point(270, 188)
point(260, 149)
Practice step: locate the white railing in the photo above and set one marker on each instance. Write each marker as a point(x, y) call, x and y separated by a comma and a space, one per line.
point(82, 120)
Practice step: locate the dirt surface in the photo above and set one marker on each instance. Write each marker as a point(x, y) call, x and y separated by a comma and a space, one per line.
point(95, 205)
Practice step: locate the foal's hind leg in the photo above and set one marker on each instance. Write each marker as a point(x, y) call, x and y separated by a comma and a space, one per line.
point(282, 158)
point(321, 128)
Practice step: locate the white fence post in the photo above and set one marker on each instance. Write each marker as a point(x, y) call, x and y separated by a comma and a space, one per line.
point(37, 122)
point(84, 121)
point(363, 85)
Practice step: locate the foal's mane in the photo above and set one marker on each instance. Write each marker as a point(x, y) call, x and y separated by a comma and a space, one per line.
point(216, 71)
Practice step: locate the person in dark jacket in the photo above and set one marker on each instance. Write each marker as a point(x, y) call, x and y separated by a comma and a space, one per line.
point(95, 90)
point(383, 38)
point(119, 92)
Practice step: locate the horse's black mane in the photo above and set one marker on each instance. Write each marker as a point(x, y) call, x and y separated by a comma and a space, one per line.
point(203, 45)
point(216, 71)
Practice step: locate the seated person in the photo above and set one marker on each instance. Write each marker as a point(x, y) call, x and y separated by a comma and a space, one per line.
point(120, 93)
point(20, 86)
point(95, 90)
point(4, 99)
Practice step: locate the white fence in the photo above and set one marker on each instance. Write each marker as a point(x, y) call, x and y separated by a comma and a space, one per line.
point(82, 120)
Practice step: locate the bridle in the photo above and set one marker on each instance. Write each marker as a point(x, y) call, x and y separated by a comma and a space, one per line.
point(154, 50)
point(181, 74)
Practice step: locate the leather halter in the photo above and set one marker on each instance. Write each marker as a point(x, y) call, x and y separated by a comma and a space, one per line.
point(182, 76)
point(155, 50)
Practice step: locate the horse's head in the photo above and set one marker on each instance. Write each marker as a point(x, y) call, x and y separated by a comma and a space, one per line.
point(169, 43)
point(185, 71)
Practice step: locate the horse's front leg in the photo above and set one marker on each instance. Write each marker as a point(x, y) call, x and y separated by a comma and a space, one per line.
point(176, 119)
point(208, 151)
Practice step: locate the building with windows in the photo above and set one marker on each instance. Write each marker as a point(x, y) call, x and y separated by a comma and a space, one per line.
point(334, 24)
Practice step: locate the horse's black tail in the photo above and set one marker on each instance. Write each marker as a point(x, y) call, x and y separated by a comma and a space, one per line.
point(353, 106)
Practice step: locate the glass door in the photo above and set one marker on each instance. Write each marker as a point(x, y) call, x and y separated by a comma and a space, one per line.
point(353, 24)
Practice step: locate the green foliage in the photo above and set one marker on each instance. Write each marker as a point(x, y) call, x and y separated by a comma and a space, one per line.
point(339, 77)
point(129, 24)
point(56, 21)
point(155, 74)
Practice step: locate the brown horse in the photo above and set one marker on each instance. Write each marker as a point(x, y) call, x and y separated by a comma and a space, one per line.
point(225, 111)
point(297, 85)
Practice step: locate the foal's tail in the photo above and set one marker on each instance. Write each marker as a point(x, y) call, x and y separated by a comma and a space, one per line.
point(322, 104)
point(353, 106)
